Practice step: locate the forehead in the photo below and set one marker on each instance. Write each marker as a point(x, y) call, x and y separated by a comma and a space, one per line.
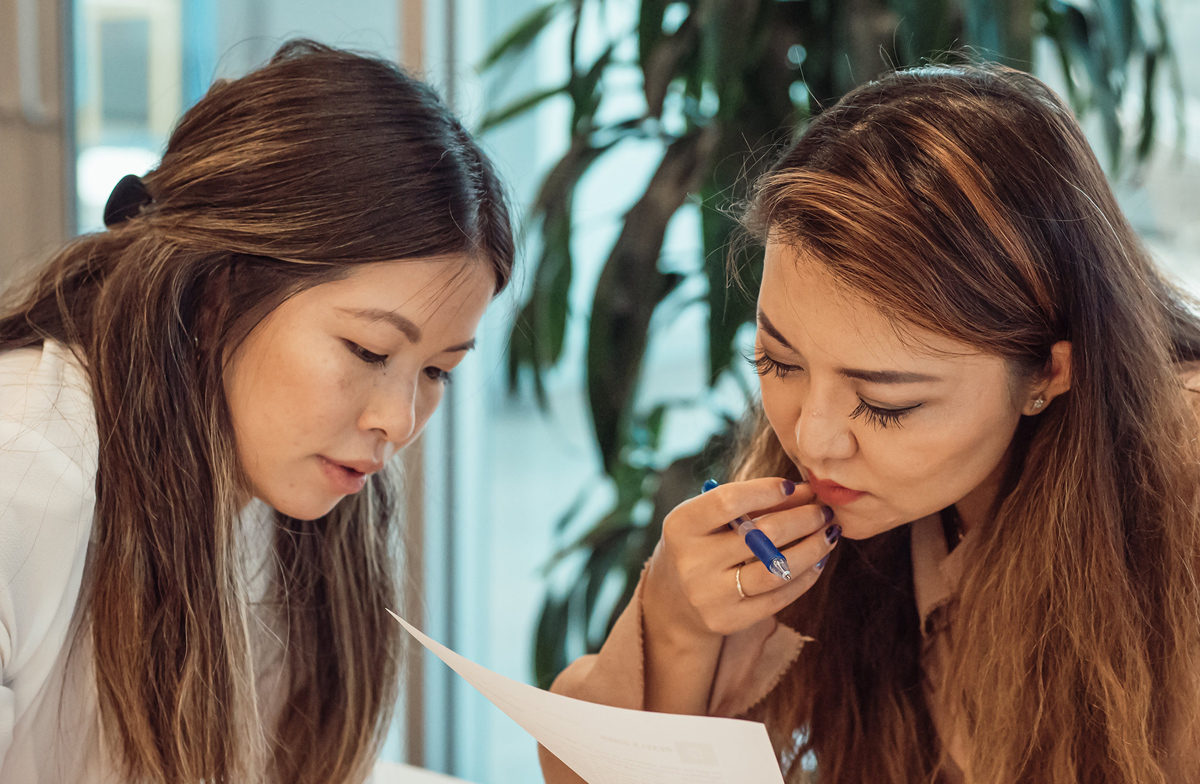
point(821, 316)
point(424, 290)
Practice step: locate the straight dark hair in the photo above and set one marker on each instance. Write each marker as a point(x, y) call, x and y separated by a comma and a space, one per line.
point(286, 178)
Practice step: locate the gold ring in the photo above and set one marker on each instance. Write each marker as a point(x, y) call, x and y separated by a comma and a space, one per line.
point(737, 580)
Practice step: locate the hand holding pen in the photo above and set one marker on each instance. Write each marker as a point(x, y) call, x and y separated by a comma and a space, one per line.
point(699, 573)
point(757, 541)
point(699, 586)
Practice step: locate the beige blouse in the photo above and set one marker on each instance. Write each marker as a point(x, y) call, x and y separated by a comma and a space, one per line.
point(753, 661)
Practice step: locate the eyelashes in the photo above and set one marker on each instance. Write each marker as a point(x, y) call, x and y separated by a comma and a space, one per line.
point(437, 374)
point(763, 365)
point(379, 360)
point(370, 357)
point(880, 418)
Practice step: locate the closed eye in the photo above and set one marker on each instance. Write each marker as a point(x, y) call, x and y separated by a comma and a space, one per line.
point(881, 417)
point(437, 374)
point(764, 364)
point(370, 357)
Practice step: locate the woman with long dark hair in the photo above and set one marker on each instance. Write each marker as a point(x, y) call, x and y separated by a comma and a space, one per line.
point(976, 447)
point(197, 411)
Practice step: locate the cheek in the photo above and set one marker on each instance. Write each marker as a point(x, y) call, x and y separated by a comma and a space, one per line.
point(937, 463)
point(781, 405)
point(285, 398)
point(429, 397)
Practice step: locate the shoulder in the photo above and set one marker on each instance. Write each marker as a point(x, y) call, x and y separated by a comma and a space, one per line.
point(48, 449)
point(46, 391)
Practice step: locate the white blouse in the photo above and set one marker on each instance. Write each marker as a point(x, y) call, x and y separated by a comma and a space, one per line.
point(49, 719)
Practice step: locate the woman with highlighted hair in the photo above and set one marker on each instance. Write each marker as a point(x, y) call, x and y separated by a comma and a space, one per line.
point(199, 408)
point(977, 450)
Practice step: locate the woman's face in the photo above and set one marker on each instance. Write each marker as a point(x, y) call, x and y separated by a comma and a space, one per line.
point(333, 382)
point(888, 429)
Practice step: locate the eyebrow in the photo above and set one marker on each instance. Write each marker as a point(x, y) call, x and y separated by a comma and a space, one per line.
point(402, 324)
point(870, 376)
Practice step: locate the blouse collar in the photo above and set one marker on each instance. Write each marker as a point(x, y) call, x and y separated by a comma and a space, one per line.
point(936, 572)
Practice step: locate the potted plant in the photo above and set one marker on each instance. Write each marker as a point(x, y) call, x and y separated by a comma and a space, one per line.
point(721, 80)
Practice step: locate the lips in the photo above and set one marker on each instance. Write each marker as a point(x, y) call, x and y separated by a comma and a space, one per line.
point(348, 478)
point(361, 466)
point(831, 493)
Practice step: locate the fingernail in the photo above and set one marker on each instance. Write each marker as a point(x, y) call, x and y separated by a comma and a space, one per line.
point(832, 533)
point(827, 513)
point(821, 563)
point(789, 487)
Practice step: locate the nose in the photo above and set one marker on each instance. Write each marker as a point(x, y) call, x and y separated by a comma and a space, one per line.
point(391, 411)
point(823, 432)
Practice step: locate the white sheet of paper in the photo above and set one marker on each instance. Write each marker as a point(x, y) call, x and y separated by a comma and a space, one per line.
point(607, 745)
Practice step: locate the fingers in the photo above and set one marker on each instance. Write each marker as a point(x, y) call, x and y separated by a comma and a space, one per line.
point(783, 528)
point(802, 558)
point(785, 592)
point(723, 610)
point(711, 511)
point(690, 585)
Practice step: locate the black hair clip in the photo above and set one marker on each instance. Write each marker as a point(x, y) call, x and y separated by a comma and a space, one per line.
point(126, 200)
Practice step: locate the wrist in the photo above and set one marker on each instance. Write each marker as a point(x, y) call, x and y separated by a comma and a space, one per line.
point(671, 625)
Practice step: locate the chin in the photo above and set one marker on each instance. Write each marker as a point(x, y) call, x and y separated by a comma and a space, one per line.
point(855, 526)
point(306, 508)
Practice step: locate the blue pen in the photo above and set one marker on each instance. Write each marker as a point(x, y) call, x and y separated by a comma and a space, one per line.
point(758, 542)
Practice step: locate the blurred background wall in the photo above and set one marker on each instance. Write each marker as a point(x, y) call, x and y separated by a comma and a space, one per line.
point(510, 470)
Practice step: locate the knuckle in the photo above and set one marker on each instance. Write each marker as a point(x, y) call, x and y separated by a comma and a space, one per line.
point(696, 584)
point(725, 508)
point(712, 621)
point(671, 523)
point(723, 625)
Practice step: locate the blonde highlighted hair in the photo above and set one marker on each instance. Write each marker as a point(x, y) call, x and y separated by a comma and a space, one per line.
point(966, 201)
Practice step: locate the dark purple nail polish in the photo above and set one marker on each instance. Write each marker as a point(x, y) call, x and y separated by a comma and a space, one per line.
point(832, 533)
point(821, 563)
point(827, 513)
point(789, 487)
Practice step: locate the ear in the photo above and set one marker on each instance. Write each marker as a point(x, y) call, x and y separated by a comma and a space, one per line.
point(1056, 381)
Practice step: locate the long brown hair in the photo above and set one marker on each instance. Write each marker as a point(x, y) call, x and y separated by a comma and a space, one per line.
point(270, 184)
point(966, 201)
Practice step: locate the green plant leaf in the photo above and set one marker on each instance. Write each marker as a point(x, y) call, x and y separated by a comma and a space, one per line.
point(518, 107)
point(1119, 23)
point(650, 27)
point(663, 62)
point(550, 641)
point(729, 305)
point(631, 287)
point(522, 353)
point(1003, 31)
point(537, 335)
point(585, 90)
point(521, 35)
point(1148, 123)
point(924, 28)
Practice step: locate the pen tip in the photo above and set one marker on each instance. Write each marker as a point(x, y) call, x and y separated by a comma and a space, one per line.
point(779, 568)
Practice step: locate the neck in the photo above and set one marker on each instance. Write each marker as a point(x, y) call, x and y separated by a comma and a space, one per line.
point(975, 508)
